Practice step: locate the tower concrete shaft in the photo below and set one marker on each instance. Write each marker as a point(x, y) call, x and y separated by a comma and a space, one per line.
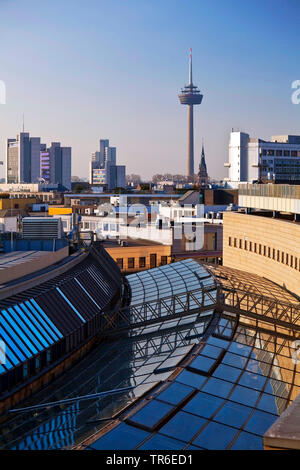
point(190, 162)
point(190, 95)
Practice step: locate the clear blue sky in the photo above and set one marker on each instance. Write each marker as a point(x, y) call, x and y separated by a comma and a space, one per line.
point(85, 70)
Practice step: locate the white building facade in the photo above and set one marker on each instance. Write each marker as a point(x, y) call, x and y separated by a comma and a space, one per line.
point(253, 160)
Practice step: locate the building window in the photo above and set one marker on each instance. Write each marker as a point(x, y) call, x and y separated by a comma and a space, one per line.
point(260, 249)
point(245, 245)
point(287, 259)
point(291, 261)
point(282, 257)
point(278, 255)
point(274, 253)
point(229, 241)
point(250, 246)
point(25, 370)
point(164, 260)
point(142, 262)
point(255, 247)
point(235, 242)
point(296, 263)
point(153, 260)
point(269, 252)
point(120, 262)
point(286, 153)
point(130, 263)
point(240, 243)
point(294, 153)
point(278, 153)
point(265, 250)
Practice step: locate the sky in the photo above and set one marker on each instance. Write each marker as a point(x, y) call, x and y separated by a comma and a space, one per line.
point(112, 69)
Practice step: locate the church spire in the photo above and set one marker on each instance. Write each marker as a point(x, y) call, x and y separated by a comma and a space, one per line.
point(202, 174)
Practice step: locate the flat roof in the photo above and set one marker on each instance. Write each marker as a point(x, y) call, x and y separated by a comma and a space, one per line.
point(130, 242)
point(146, 196)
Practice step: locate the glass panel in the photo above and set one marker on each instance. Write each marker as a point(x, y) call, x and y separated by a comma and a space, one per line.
point(202, 363)
point(183, 426)
point(217, 387)
point(215, 436)
point(51, 324)
point(203, 405)
point(233, 414)
point(227, 372)
point(21, 341)
point(151, 414)
point(211, 351)
point(260, 422)
point(246, 441)
point(234, 360)
point(159, 442)
point(254, 381)
point(268, 403)
point(189, 378)
point(245, 395)
point(39, 322)
point(31, 325)
point(123, 437)
point(175, 393)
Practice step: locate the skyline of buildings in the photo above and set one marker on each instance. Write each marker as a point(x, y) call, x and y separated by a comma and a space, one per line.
point(30, 161)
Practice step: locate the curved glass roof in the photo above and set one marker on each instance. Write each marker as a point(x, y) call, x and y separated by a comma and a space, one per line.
point(224, 397)
point(171, 279)
point(213, 382)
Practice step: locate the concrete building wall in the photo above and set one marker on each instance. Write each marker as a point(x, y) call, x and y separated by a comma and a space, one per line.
point(264, 246)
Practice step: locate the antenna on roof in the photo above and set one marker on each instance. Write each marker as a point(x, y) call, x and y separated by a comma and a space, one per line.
point(23, 123)
point(190, 68)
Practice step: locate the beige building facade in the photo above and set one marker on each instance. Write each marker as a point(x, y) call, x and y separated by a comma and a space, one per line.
point(264, 246)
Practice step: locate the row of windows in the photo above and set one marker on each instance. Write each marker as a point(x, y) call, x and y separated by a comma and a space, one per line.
point(141, 262)
point(264, 250)
point(66, 345)
point(280, 153)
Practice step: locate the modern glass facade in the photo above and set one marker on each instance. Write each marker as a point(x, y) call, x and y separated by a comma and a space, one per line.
point(212, 381)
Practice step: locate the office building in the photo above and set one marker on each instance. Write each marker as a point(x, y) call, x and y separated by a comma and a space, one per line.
point(60, 164)
point(252, 159)
point(23, 159)
point(103, 168)
point(29, 161)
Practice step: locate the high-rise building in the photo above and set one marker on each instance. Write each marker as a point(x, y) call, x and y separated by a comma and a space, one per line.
point(60, 164)
point(259, 160)
point(190, 95)
point(23, 159)
point(103, 168)
point(29, 161)
point(44, 164)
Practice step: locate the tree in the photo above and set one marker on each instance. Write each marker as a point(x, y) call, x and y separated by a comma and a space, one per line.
point(78, 188)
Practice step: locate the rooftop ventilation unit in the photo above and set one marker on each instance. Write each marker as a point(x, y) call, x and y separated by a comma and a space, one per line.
point(42, 228)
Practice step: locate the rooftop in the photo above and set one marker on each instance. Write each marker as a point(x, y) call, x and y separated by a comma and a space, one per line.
point(129, 242)
point(208, 380)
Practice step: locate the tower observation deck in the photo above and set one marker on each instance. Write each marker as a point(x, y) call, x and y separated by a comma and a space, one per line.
point(190, 95)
